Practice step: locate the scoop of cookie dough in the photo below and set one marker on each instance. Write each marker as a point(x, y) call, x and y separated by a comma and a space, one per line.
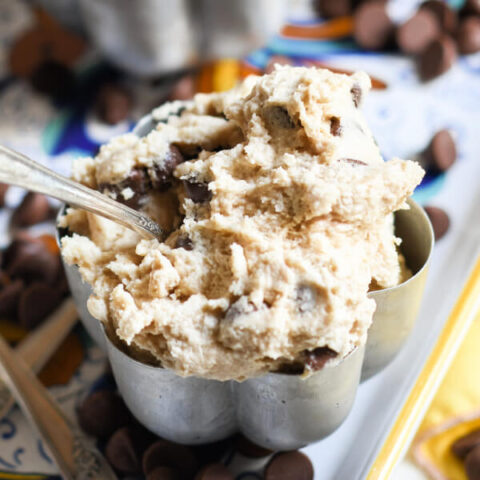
point(279, 208)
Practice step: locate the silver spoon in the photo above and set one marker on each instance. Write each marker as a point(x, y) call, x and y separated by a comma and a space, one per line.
point(17, 169)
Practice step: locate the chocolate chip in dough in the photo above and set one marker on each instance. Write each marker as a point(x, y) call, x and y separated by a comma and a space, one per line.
point(53, 79)
point(9, 298)
point(418, 32)
point(163, 473)
point(335, 126)
point(472, 464)
point(468, 35)
point(161, 173)
point(356, 92)
point(3, 191)
point(445, 15)
point(137, 181)
point(317, 358)
point(462, 446)
point(278, 117)
point(34, 208)
point(102, 413)
point(113, 103)
point(440, 221)
point(36, 302)
point(249, 449)
point(214, 471)
point(372, 27)
point(184, 242)
point(289, 466)
point(122, 454)
point(334, 8)
point(305, 298)
point(437, 58)
point(197, 192)
point(441, 152)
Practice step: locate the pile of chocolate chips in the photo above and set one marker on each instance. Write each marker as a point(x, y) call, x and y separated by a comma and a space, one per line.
point(467, 449)
point(434, 35)
point(133, 451)
point(32, 280)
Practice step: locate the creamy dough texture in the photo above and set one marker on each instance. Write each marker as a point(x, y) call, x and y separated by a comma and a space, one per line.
point(278, 208)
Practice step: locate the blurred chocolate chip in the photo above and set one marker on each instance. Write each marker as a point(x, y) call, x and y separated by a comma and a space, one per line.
point(34, 208)
point(182, 89)
point(464, 445)
point(317, 358)
point(372, 27)
point(440, 221)
point(3, 191)
point(137, 181)
point(53, 79)
point(113, 103)
point(161, 173)
point(278, 117)
point(334, 8)
point(305, 298)
point(164, 473)
point(417, 32)
point(21, 245)
point(9, 298)
point(249, 449)
point(353, 161)
point(289, 466)
point(356, 92)
point(167, 454)
point(33, 264)
point(36, 302)
point(445, 15)
point(214, 471)
point(197, 192)
point(184, 242)
point(437, 58)
point(468, 35)
point(101, 413)
point(122, 454)
point(335, 126)
point(441, 152)
point(472, 464)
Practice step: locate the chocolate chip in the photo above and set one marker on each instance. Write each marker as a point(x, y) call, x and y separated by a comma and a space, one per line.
point(372, 27)
point(34, 208)
point(241, 307)
point(249, 449)
point(137, 181)
point(440, 221)
point(472, 464)
point(464, 445)
point(3, 191)
point(437, 58)
point(164, 473)
point(316, 359)
point(214, 471)
point(445, 15)
point(161, 173)
point(197, 192)
point(182, 89)
point(353, 161)
point(167, 454)
point(334, 8)
point(468, 35)
point(417, 32)
point(335, 126)
point(35, 265)
point(289, 466)
point(305, 298)
point(184, 242)
point(278, 117)
point(113, 103)
point(43, 298)
point(53, 79)
point(122, 454)
point(441, 152)
point(9, 298)
point(21, 245)
point(101, 413)
point(356, 92)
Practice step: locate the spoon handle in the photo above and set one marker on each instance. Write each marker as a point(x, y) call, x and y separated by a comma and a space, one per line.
point(75, 457)
point(19, 170)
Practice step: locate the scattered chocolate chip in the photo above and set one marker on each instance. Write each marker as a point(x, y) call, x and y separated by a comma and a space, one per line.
point(184, 242)
point(335, 126)
point(214, 471)
point(197, 192)
point(335, 8)
point(161, 173)
point(122, 454)
point(305, 298)
point(417, 32)
point(34, 208)
point(372, 27)
point(472, 464)
point(445, 15)
point(468, 35)
point(44, 299)
point(101, 413)
point(113, 103)
point(441, 152)
point(249, 449)
point(437, 58)
point(53, 79)
point(440, 221)
point(35, 265)
point(356, 92)
point(353, 161)
point(464, 445)
point(182, 89)
point(167, 454)
point(9, 298)
point(316, 359)
point(3, 191)
point(289, 466)
point(278, 117)
point(164, 473)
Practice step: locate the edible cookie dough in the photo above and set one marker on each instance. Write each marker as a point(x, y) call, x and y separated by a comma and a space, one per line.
point(278, 208)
